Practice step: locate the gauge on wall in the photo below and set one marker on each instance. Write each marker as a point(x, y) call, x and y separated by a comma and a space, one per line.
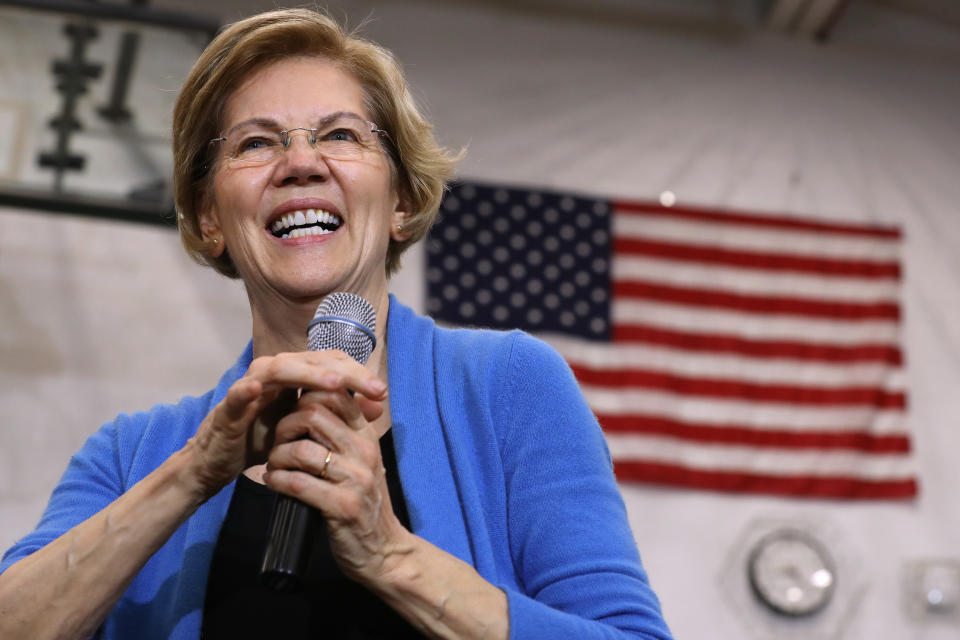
point(791, 572)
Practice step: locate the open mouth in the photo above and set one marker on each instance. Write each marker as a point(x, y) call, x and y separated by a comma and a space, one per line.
point(305, 222)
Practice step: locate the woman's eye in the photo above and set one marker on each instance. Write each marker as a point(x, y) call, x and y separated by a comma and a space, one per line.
point(254, 144)
point(342, 135)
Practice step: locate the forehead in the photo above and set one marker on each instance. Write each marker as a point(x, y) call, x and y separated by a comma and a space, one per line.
point(295, 91)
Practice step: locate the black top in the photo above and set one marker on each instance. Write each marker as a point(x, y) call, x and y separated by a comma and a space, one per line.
point(329, 606)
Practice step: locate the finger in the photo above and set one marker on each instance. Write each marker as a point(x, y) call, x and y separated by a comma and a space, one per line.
point(354, 502)
point(344, 480)
point(263, 430)
point(233, 415)
point(356, 411)
point(318, 423)
point(340, 403)
point(309, 423)
point(326, 433)
point(219, 440)
point(312, 458)
point(327, 370)
point(240, 398)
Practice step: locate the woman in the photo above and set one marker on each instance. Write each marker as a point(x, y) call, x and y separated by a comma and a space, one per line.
point(303, 167)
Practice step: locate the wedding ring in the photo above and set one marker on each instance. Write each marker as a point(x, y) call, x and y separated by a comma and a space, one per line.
point(326, 463)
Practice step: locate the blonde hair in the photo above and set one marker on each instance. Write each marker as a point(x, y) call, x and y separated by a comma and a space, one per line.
point(420, 165)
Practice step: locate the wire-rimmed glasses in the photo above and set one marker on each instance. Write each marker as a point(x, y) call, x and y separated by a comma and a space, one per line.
point(337, 137)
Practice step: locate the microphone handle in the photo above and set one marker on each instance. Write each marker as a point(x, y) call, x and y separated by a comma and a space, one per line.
point(292, 531)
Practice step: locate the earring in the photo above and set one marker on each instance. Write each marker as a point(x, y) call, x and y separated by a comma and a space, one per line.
point(216, 241)
point(399, 227)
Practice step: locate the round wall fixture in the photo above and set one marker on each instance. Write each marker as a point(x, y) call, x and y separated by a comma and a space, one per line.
point(791, 572)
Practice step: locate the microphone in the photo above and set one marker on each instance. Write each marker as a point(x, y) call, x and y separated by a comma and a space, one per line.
point(343, 321)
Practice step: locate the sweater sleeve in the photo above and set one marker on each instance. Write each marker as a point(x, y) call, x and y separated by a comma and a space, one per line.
point(570, 541)
point(92, 480)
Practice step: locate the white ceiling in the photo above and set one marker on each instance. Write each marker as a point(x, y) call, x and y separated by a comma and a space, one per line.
point(692, 15)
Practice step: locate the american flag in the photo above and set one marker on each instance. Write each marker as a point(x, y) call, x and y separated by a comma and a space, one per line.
point(719, 350)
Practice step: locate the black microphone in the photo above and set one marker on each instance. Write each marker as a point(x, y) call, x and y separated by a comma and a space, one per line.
point(343, 321)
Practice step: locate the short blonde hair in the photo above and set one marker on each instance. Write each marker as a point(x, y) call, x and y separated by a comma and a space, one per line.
point(421, 167)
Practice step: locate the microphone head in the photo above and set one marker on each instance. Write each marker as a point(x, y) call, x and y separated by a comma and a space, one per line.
point(344, 321)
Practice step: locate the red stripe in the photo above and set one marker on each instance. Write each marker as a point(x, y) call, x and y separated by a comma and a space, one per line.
point(724, 343)
point(844, 487)
point(720, 216)
point(759, 260)
point(695, 297)
point(777, 438)
point(739, 390)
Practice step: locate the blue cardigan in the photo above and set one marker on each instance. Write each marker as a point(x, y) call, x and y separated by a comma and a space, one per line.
point(502, 464)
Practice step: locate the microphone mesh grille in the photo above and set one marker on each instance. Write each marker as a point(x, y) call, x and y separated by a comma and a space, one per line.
point(334, 326)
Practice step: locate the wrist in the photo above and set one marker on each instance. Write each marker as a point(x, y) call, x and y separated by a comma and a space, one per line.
point(399, 561)
point(187, 468)
point(440, 594)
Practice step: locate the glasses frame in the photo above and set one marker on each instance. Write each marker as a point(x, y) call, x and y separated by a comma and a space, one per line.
point(285, 138)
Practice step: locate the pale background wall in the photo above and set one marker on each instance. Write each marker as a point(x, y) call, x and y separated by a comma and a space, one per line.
point(100, 317)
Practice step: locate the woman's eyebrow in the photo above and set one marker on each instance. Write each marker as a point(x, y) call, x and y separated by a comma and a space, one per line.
point(270, 122)
point(258, 121)
point(340, 114)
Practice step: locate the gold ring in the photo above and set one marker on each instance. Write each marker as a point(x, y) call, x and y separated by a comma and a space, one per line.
point(326, 463)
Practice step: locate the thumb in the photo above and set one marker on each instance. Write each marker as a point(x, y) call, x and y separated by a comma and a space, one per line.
point(371, 409)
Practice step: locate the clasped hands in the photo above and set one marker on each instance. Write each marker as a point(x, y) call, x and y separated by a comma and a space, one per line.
point(320, 446)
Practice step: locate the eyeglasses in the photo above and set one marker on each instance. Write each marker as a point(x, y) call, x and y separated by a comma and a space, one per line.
point(338, 137)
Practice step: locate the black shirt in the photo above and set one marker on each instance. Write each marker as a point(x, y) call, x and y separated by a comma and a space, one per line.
point(329, 605)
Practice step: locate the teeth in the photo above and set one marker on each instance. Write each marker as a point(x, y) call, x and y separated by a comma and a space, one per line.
point(304, 217)
point(309, 231)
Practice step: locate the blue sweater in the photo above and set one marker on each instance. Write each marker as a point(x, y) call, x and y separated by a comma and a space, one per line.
point(502, 465)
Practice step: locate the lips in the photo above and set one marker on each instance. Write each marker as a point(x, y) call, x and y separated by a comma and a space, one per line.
point(305, 222)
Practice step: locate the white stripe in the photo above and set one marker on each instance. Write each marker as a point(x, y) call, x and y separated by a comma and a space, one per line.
point(711, 457)
point(758, 415)
point(758, 326)
point(755, 282)
point(598, 355)
point(822, 244)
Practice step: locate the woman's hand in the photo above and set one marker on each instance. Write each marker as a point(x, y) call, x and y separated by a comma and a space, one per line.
point(239, 432)
point(325, 451)
point(327, 454)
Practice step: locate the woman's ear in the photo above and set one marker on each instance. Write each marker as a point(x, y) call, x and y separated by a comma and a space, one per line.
point(210, 233)
point(399, 233)
point(398, 221)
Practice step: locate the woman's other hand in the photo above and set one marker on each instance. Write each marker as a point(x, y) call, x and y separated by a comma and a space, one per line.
point(239, 432)
point(327, 454)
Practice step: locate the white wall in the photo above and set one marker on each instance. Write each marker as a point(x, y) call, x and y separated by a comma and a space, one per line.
point(101, 317)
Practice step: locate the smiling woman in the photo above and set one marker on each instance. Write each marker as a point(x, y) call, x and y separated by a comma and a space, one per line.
point(255, 183)
point(451, 508)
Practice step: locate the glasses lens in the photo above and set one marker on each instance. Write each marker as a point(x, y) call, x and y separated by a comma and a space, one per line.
point(345, 137)
point(253, 145)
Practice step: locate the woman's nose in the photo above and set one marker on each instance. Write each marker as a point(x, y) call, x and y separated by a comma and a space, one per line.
point(300, 161)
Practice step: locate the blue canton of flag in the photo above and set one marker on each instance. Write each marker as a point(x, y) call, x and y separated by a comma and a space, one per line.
point(506, 258)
